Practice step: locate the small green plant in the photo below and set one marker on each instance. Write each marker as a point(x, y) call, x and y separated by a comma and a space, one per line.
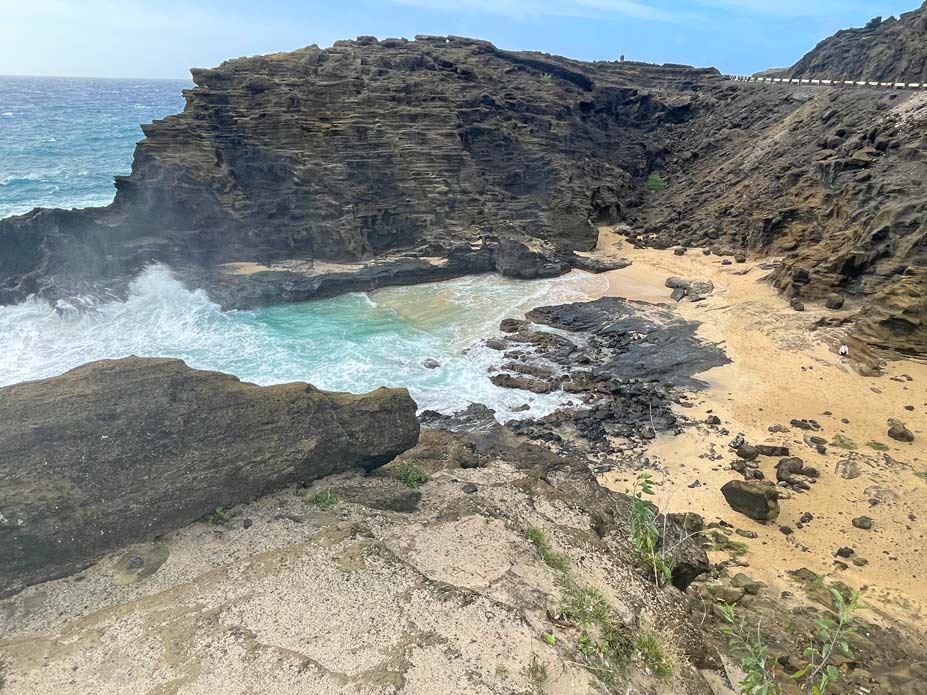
point(878, 446)
point(735, 548)
point(644, 532)
point(605, 644)
point(549, 639)
point(537, 673)
point(655, 182)
point(547, 77)
point(219, 516)
point(754, 653)
point(841, 441)
point(553, 559)
point(652, 655)
point(411, 474)
point(325, 500)
point(832, 634)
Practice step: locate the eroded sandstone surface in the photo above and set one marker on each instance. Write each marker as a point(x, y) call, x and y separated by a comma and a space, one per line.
point(120, 451)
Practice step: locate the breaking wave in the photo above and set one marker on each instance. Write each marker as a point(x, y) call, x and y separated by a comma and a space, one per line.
point(355, 342)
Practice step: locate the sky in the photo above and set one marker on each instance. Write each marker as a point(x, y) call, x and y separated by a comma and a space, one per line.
point(164, 38)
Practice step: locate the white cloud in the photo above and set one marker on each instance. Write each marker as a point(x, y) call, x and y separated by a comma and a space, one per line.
point(524, 9)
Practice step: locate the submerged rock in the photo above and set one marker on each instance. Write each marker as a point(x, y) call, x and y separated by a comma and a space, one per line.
point(120, 451)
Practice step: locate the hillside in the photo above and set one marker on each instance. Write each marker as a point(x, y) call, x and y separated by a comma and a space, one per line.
point(890, 50)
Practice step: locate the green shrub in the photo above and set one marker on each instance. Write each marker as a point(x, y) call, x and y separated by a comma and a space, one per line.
point(219, 516)
point(411, 474)
point(325, 500)
point(655, 182)
point(652, 655)
point(755, 659)
point(644, 532)
point(556, 560)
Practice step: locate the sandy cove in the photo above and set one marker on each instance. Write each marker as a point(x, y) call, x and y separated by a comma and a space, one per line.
point(784, 368)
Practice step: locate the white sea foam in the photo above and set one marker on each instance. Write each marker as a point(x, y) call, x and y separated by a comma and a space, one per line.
point(356, 342)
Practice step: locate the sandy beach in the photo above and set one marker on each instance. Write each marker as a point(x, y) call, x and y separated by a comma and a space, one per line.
point(784, 368)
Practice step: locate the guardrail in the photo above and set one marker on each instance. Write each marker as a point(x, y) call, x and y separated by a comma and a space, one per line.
point(827, 83)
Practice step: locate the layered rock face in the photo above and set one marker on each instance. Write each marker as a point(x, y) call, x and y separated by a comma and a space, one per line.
point(438, 148)
point(830, 179)
point(893, 50)
point(120, 451)
point(371, 163)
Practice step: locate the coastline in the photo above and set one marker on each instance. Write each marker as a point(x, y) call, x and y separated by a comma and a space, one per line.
point(783, 368)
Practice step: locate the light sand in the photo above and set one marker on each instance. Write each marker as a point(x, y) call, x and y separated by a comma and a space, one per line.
point(782, 369)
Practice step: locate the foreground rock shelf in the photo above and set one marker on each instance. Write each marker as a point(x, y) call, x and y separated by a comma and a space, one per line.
point(120, 451)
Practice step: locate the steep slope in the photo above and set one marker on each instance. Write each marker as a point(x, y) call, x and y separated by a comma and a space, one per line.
point(894, 50)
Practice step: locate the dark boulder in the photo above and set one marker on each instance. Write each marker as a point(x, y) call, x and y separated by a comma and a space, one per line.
point(757, 500)
point(788, 467)
point(120, 451)
point(772, 450)
point(899, 432)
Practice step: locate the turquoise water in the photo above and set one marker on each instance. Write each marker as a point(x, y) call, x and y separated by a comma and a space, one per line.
point(62, 140)
point(355, 342)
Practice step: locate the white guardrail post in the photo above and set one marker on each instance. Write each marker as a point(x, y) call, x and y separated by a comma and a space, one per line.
point(826, 83)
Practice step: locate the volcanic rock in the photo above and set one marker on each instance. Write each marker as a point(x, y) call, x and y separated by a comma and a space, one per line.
point(757, 500)
point(120, 451)
point(899, 432)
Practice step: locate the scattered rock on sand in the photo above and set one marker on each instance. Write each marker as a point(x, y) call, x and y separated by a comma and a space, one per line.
point(899, 432)
point(863, 522)
point(694, 290)
point(757, 500)
point(834, 301)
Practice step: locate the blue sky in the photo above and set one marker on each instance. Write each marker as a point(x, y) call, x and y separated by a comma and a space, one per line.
point(164, 38)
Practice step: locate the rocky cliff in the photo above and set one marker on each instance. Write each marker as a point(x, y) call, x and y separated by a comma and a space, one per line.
point(890, 50)
point(439, 148)
point(120, 451)
point(316, 172)
point(830, 179)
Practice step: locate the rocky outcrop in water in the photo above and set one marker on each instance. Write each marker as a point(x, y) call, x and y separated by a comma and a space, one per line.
point(885, 50)
point(386, 161)
point(120, 451)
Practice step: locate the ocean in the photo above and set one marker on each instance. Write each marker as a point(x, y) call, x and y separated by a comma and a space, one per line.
point(61, 142)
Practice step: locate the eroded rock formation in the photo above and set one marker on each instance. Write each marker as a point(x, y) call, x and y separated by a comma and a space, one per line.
point(119, 451)
point(889, 50)
point(446, 150)
point(316, 172)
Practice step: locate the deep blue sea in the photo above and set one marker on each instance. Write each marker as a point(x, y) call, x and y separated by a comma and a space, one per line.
point(62, 141)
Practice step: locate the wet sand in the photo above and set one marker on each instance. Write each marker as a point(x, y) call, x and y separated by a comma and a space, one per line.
point(785, 368)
